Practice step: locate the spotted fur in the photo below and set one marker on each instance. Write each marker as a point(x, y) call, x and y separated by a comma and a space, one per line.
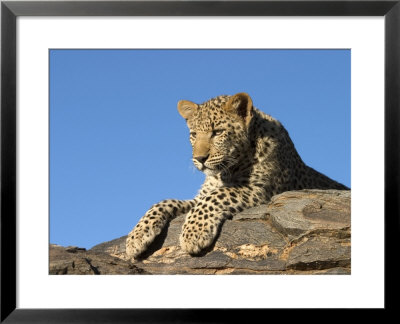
point(247, 157)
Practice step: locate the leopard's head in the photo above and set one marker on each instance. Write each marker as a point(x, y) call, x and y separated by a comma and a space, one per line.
point(218, 130)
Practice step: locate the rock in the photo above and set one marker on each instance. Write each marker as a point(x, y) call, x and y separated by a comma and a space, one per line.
point(74, 260)
point(295, 214)
point(74, 249)
point(115, 247)
point(298, 232)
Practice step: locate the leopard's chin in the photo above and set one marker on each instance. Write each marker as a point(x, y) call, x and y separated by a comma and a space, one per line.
point(210, 172)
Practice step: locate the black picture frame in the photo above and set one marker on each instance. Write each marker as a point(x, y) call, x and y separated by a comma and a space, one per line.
point(10, 10)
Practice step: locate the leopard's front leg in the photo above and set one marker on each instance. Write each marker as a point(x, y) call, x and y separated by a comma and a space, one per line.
point(152, 223)
point(205, 218)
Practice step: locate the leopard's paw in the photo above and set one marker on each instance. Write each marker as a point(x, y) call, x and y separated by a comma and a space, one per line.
point(194, 240)
point(139, 239)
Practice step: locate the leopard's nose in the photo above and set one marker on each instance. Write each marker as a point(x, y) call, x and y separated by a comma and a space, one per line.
point(201, 158)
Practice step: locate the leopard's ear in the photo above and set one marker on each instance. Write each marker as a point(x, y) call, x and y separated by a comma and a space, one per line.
point(241, 105)
point(186, 108)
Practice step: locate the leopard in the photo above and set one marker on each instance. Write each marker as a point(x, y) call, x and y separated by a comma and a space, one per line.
point(247, 157)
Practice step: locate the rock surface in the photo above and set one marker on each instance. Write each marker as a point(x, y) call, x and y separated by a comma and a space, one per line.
point(298, 232)
point(74, 260)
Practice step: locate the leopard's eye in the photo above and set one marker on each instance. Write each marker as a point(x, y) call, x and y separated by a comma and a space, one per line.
point(217, 132)
point(193, 134)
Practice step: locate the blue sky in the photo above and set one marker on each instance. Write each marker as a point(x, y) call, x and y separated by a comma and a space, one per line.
point(118, 144)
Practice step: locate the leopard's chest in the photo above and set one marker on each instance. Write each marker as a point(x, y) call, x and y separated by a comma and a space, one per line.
point(210, 184)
